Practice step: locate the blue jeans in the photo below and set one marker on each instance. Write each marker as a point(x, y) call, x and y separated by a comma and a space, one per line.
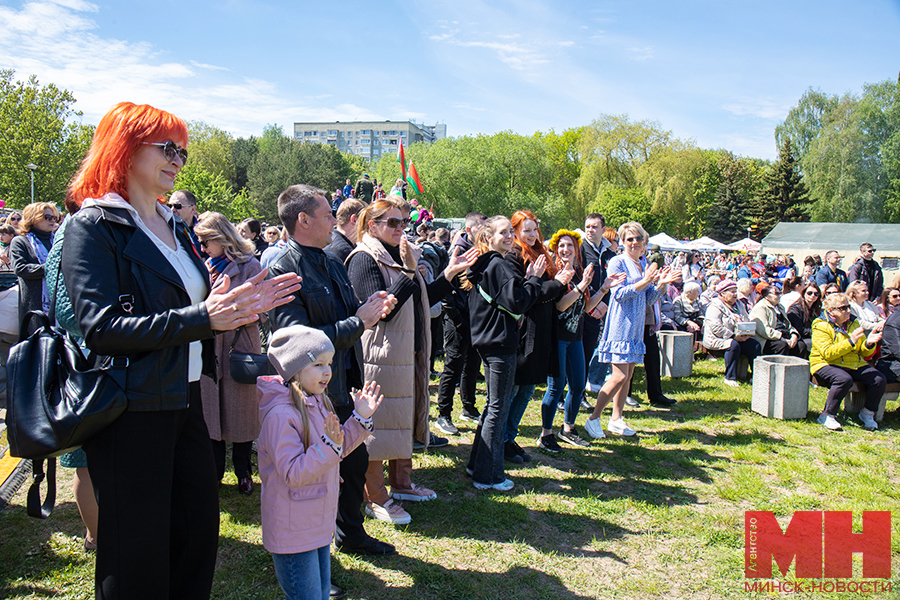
point(306, 575)
point(571, 370)
point(486, 459)
point(521, 396)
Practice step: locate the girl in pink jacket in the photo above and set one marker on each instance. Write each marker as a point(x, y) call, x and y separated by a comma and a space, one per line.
point(301, 444)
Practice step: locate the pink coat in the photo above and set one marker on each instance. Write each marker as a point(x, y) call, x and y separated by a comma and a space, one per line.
point(299, 485)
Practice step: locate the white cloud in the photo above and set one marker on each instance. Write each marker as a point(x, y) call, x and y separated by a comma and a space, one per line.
point(58, 41)
point(763, 108)
point(200, 65)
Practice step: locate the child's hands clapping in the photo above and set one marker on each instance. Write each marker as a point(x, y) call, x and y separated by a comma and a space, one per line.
point(366, 400)
point(333, 429)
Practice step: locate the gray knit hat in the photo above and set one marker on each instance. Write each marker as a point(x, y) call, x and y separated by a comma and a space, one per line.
point(292, 348)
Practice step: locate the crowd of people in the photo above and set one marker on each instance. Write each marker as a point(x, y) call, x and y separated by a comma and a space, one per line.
point(353, 305)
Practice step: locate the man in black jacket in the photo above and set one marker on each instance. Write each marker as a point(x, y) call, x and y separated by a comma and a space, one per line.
point(593, 246)
point(343, 238)
point(866, 269)
point(327, 302)
point(461, 360)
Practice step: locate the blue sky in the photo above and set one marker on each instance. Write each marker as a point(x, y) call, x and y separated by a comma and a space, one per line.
point(723, 73)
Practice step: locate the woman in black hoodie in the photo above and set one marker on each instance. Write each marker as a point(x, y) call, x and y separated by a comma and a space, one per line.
point(497, 301)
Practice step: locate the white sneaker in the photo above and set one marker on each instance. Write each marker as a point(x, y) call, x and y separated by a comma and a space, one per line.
point(868, 419)
point(503, 486)
point(829, 422)
point(619, 426)
point(594, 429)
point(732, 383)
point(390, 512)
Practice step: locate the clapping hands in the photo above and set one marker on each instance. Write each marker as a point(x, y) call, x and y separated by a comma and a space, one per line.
point(366, 400)
point(333, 429)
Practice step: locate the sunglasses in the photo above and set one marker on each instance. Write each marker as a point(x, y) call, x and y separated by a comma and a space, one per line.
point(842, 307)
point(394, 223)
point(813, 294)
point(51, 218)
point(171, 151)
point(15, 218)
point(638, 238)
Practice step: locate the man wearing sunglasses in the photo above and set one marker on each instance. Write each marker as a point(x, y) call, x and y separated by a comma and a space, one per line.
point(184, 205)
point(867, 269)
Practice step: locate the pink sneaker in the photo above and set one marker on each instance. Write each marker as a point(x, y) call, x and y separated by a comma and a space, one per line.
point(390, 512)
point(413, 494)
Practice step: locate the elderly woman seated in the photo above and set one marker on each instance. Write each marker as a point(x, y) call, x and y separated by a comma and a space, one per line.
point(687, 313)
point(840, 349)
point(889, 363)
point(719, 330)
point(710, 293)
point(774, 331)
point(865, 312)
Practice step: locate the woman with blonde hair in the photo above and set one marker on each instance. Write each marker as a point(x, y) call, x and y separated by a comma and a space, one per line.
point(568, 319)
point(621, 343)
point(864, 311)
point(396, 351)
point(840, 351)
point(13, 218)
point(28, 253)
point(497, 302)
point(229, 407)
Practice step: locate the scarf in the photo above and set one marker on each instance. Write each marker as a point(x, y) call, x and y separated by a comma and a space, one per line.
point(216, 267)
point(41, 251)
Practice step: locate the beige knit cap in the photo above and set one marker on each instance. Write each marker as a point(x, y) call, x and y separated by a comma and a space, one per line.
point(293, 348)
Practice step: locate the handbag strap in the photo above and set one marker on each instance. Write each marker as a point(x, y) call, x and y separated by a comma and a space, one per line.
point(36, 508)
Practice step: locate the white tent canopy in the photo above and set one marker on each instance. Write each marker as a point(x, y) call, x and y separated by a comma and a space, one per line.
point(666, 242)
point(706, 243)
point(745, 245)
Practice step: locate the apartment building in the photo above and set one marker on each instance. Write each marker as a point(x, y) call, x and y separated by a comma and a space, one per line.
point(369, 139)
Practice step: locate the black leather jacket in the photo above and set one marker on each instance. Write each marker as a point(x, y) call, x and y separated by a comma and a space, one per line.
point(155, 337)
point(316, 305)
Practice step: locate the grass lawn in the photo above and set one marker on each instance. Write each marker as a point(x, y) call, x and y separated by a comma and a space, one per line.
point(660, 515)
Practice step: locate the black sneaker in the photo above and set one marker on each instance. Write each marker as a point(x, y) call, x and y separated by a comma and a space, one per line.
point(664, 402)
point(469, 416)
point(522, 454)
point(573, 438)
point(510, 454)
point(446, 426)
point(438, 442)
point(549, 443)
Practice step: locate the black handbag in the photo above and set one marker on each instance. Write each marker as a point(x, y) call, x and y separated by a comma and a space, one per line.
point(246, 367)
point(58, 397)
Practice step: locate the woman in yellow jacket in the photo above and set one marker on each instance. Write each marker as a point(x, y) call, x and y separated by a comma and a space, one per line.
point(840, 348)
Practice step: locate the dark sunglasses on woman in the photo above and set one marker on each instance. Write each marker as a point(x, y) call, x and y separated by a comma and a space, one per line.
point(171, 151)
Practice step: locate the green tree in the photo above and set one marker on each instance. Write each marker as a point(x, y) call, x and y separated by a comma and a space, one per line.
point(243, 151)
point(727, 219)
point(38, 125)
point(281, 162)
point(806, 120)
point(619, 204)
point(784, 196)
point(668, 178)
point(215, 193)
point(212, 148)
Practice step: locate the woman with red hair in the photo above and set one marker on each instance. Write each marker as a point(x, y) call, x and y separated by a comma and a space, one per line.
point(140, 291)
point(535, 359)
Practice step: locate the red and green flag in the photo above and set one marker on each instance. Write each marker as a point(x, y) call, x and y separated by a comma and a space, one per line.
point(412, 176)
point(401, 158)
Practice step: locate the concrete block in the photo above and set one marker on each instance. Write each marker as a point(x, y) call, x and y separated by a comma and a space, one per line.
point(780, 387)
point(676, 353)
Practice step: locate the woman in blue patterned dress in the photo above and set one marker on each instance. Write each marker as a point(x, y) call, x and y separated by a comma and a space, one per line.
point(622, 343)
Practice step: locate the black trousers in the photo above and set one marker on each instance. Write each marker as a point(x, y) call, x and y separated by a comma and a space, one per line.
point(240, 458)
point(353, 472)
point(155, 482)
point(461, 365)
point(652, 366)
point(591, 337)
